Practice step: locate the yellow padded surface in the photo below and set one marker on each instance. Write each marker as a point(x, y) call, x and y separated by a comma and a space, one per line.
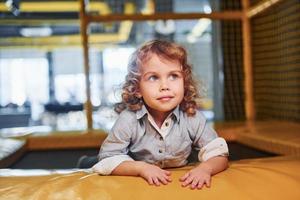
point(271, 178)
point(279, 137)
point(273, 136)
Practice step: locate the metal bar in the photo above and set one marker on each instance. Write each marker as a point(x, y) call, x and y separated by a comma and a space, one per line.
point(51, 90)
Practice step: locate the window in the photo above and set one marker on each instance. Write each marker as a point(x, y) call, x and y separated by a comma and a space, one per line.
point(23, 79)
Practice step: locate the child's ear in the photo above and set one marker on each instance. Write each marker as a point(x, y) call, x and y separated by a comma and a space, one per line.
point(138, 95)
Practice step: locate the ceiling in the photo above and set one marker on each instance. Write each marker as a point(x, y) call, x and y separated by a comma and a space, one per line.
point(32, 23)
point(57, 22)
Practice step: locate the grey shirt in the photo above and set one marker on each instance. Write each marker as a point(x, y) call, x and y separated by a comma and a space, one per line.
point(133, 137)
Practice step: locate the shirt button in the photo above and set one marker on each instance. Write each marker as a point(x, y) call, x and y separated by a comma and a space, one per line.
point(160, 151)
point(161, 138)
point(167, 124)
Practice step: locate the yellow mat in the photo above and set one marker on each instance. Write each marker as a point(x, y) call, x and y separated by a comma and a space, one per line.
point(271, 178)
point(279, 137)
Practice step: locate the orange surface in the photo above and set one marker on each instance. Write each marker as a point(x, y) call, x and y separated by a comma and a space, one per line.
point(279, 137)
point(271, 178)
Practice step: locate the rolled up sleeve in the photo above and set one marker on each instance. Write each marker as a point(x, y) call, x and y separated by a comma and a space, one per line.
point(114, 150)
point(107, 165)
point(217, 147)
point(206, 140)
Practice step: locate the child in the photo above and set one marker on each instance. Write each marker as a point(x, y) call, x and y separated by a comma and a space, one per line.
point(159, 122)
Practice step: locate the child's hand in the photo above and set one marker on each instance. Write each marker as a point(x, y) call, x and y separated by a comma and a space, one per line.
point(154, 175)
point(197, 177)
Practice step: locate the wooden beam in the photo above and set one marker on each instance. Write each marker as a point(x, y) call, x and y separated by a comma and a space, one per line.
point(59, 40)
point(84, 39)
point(11, 151)
point(248, 69)
point(59, 6)
point(227, 15)
point(261, 7)
point(129, 8)
point(61, 140)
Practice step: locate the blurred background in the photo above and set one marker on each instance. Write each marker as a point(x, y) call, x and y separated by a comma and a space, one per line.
point(43, 77)
point(42, 82)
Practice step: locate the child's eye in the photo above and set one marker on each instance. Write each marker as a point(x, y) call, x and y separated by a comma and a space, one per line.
point(174, 76)
point(152, 78)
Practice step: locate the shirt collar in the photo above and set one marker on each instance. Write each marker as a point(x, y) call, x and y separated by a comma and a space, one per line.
point(143, 111)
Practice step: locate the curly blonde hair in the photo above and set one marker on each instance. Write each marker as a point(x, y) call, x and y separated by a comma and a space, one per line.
point(166, 50)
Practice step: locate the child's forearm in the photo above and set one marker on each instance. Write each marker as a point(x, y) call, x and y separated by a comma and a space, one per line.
point(153, 174)
point(215, 165)
point(129, 168)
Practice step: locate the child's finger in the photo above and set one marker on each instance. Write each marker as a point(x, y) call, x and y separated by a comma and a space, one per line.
point(167, 172)
point(156, 181)
point(169, 178)
point(194, 183)
point(184, 176)
point(188, 180)
point(163, 180)
point(207, 182)
point(200, 185)
point(150, 181)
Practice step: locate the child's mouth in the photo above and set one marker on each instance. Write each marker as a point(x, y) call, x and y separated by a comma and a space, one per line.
point(165, 98)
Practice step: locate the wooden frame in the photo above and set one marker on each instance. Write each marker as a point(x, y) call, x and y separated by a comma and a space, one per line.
point(245, 16)
point(92, 139)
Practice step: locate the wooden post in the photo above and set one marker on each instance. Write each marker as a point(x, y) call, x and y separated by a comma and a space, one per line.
point(248, 70)
point(261, 7)
point(84, 40)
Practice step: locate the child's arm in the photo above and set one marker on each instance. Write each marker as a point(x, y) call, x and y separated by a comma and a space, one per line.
point(114, 158)
point(201, 174)
point(212, 155)
point(151, 173)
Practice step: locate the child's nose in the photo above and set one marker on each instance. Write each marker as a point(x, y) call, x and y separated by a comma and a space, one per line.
point(164, 86)
point(164, 89)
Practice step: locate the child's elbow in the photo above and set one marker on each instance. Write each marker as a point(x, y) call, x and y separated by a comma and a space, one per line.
point(225, 162)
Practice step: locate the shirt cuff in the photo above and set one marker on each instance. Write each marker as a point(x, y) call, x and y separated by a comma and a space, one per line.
point(216, 147)
point(107, 165)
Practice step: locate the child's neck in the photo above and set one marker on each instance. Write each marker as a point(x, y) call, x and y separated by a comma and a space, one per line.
point(159, 121)
point(159, 117)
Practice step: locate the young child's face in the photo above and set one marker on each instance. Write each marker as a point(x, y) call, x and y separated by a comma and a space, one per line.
point(161, 84)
